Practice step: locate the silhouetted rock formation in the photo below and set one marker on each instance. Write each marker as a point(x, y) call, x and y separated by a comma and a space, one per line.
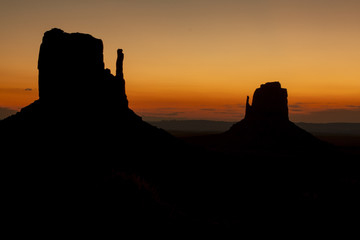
point(79, 155)
point(81, 131)
point(69, 65)
point(265, 129)
point(269, 103)
point(267, 125)
point(71, 72)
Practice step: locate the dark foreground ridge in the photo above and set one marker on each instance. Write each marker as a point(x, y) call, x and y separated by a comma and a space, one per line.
point(80, 155)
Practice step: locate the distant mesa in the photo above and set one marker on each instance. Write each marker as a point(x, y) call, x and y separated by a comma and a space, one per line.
point(269, 103)
point(266, 123)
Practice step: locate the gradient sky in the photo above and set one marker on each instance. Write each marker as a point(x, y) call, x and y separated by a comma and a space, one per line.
point(199, 59)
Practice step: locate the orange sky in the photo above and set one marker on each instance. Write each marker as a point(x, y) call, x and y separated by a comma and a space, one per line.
point(199, 59)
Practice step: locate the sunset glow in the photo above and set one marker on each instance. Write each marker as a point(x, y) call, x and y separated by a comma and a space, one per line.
point(200, 59)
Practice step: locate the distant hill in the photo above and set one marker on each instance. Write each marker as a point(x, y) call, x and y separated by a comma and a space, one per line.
point(197, 127)
point(352, 129)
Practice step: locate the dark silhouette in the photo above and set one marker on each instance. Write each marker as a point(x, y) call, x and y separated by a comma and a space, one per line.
point(72, 74)
point(269, 104)
point(267, 126)
point(79, 153)
point(284, 164)
point(79, 141)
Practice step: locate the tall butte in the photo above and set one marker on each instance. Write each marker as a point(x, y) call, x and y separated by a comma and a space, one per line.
point(71, 70)
point(78, 97)
point(71, 146)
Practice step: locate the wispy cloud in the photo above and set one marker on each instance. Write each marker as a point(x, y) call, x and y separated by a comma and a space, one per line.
point(167, 114)
point(234, 106)
point(295, 106)
point(353, 106)
point(328, 115)
point(220, 113)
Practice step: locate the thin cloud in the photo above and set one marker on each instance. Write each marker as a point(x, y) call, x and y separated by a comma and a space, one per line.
point(152, 114)
point(234, 106)
point(328, 115)
point(295, 106)
point(353, 106)
point(296, 110)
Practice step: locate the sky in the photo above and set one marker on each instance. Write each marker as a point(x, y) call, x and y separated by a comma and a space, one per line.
point(199, 59)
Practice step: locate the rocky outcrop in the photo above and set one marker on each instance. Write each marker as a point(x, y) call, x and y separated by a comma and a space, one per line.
point(71, 72)
point(269, 103)
point(266, 124)
point(71, 144)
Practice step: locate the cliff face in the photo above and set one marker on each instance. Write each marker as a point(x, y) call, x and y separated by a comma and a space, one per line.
point(69, 64)
point(71, 72)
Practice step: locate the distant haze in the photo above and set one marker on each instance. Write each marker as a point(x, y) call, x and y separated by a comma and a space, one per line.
point(207, 127)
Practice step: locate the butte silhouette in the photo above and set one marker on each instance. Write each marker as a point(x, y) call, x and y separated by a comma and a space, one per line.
point(265, 129)
point(267, 125)
point(79, 102)
point(79, 144)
